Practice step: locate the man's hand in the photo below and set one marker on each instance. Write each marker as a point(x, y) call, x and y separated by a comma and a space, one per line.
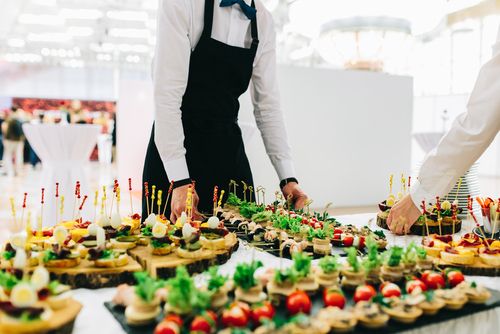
point(298, 197)
point(403, 215)
point(178, 204)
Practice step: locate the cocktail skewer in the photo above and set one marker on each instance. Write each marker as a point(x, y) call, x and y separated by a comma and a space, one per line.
point(170, 189)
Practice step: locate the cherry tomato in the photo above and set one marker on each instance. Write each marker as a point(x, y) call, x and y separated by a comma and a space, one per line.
point(454, 277)
point(390, 290)
point(348, 241)
point(424, 275)
point(415, 284)
point(244, 306)
point(234, 316)
point(167, 327)
point(261, 311)
point(434, 281)
point(364, 292)
point(333, 297)
point(173, 318)
point(298, 302)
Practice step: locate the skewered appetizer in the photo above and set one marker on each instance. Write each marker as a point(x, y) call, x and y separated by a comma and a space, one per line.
point(454, 299)
point(160, 242)
point(424, 262)
point(190, 246)
point(218, 286)
point(490, 256)
point(327, 272)
point(183, 297)
point(372, 262)
point(18, 241)
point(248, 288)
point(213, 236)
point(392, 270)
point(434, 244)
point(305, 279)
point(476, 294)
point(340, 321)
point(457, 255)
point(145, 306)
point(353, 273)
point(61, 256)
point(282, 284)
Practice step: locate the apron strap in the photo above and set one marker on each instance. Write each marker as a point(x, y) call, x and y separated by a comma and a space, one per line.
point(255, 33)
point(208, 20)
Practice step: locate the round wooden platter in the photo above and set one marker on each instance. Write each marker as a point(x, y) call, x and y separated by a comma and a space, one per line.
point(478, 268)
point(60, 322)
point(86, 275)
point(163, 266)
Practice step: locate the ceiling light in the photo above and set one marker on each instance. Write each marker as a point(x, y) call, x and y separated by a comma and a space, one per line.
point(16, 42)
point(80, 31)
point(80, 14)
point(23, 57)
point(127, 15)
point(41, 19)
point(49, 37)
point(129, 33)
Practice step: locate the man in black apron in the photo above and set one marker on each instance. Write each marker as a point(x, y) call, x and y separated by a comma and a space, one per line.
point(218, 75)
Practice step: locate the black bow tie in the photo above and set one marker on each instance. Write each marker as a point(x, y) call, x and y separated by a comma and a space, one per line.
point(249, 11)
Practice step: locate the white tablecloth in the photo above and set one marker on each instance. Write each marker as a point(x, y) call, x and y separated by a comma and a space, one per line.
point(64, 150)
point(95, 318)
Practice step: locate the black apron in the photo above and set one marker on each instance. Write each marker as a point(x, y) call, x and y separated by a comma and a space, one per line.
point(218, 75)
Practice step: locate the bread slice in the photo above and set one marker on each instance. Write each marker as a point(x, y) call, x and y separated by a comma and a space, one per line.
point(490, 259)
point(120, 261)
point(463, 258)
point(63, 263)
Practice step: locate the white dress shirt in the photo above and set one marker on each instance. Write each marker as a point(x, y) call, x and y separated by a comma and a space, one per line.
point(470, 135)
point(180, 24)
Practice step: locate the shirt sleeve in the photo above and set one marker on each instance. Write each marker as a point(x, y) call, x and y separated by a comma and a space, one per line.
point(170, 76)
point(470, 135)
point(266, 103)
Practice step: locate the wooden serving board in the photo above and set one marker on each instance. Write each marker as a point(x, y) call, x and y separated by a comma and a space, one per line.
point(61, 322)
point(163, 266)
point(478, 268)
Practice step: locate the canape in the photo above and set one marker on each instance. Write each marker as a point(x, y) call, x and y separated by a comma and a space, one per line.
point(476, 294)
point(454, 299)
point(353, 273)
point(327, 272)
point(213, 236)
point(370, 315)
point(434, 244)
point(340, 321)
point(248, 288)
point(392, 270)
point(424, 262)
point(401, 311)
point(219, 286)
point(190, 245)
point(457, 255)
point(160, 243)
point(305, 279)
point(145, 306)
point(372, 262)
point(490, 256)
point(282, 284)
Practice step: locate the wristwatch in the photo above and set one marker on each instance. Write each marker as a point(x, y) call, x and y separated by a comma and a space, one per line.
point(284, 182)
point(181, 183)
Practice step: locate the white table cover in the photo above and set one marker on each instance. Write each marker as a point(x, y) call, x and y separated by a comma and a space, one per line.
point(95, 318)
point(64, 150)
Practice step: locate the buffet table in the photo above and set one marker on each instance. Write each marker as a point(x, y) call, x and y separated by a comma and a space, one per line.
point(64, 150)
point(95, 318)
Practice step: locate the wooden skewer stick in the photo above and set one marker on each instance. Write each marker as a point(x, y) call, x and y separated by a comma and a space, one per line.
point(153, 196)
point(57, 202)
point(75, 199)
point(170, 188)
point(220, 198)
point(458, 188)
point(115, 185)
point(158, 200)
point(216, 190)
point(438, 209)
point(130, 195)
point(96, 203)
point(146, 194)
point(81, 207)
point(23, 208)
point(424, 213)
point(480, 228)
point(245, 188)
point(13, 211)
point(250, 188)
point(495, 221)
point(42, 202)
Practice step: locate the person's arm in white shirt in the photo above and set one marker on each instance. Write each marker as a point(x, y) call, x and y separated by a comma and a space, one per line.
point(267, 109)
point(471, 134)
point(170, 76)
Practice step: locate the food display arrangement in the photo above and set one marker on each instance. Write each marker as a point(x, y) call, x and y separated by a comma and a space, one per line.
point(34, 303)
point(108, 250)
point(438, 218)
point(302, 298)
point(282, 231)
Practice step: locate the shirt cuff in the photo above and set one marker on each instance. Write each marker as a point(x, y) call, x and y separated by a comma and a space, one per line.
point(176, 169)
point(418, 194)
point(284, 168)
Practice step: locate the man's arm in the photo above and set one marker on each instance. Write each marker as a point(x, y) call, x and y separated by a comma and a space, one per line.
point(471, 134)
point(269, 117)
point(170, 76)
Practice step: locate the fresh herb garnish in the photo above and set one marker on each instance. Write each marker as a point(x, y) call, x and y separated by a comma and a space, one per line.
point(410, 254)
point(147, 286)
point(287, 275)
point(329, 264)
point(157, 243)
point(421, 253)
point(372, 260)
point(244, 274)
point(394, 256)
point(49, 255)
point(352, 259)
point(7, 255)
point(147, 231)
point(183, 295)
point(215, 281)
point(7, 281)
point(302, 264)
